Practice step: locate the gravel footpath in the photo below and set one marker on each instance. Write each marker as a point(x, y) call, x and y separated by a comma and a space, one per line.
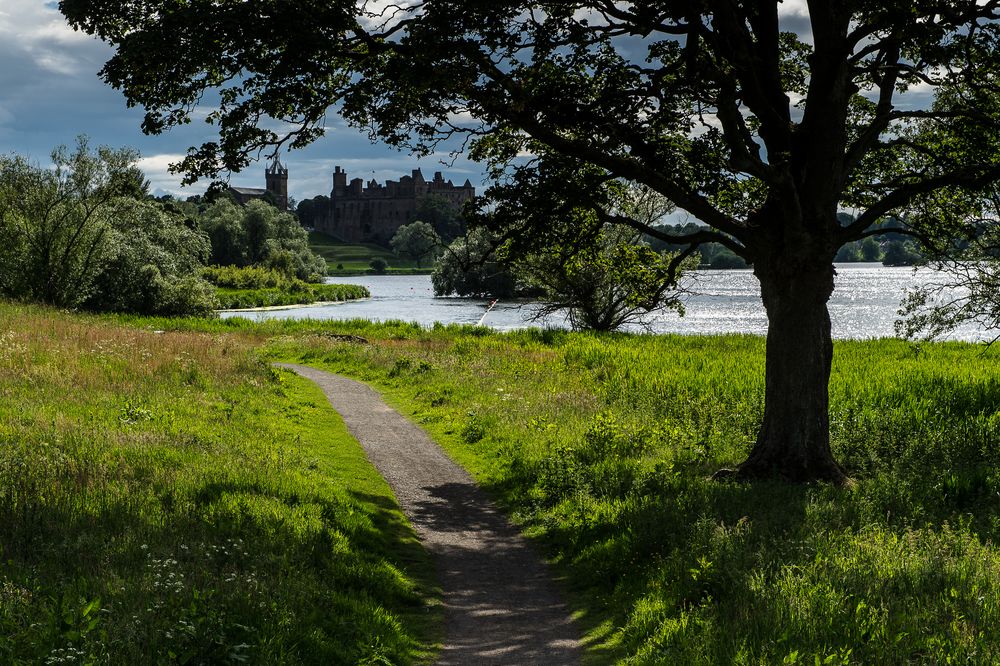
point(501, 606)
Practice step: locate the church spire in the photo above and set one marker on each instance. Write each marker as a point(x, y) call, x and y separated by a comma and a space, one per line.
point(276, 179)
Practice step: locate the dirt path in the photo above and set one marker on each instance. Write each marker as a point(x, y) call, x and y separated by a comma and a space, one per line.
point(500, 604)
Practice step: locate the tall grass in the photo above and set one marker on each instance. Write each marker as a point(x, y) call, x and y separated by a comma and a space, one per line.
point(600, 446)
point(168, 497)
point(256, 287)
point(231, 299)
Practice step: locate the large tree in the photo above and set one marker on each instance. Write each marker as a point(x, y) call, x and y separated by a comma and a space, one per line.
point(54, 222)
point(616, 282)
point(416, 240)
point(763, 134)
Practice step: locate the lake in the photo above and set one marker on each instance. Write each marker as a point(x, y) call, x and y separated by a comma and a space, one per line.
point(864, 304)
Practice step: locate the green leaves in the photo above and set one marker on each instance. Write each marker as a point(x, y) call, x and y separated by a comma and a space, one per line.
point(55, 223)
point(608, 284)
point(416, 240)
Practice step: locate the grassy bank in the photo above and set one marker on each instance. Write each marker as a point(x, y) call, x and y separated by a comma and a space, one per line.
point(355, 259)
point(600, 447)
point(258, 287)
point(234, 299)
point(170, 498)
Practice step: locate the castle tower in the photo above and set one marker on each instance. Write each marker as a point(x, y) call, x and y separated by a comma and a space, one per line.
point(339, 183)
point(276, 179)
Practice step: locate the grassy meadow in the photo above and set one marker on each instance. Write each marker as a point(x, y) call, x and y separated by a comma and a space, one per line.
point(127, 449)
point(600, 447)
point(169, 497)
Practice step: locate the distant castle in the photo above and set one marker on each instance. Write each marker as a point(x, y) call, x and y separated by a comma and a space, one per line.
point(372, 214)
point(359, 213)
point(276, 185)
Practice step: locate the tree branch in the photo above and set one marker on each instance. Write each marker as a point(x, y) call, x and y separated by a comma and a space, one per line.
point(970, 178)
point(883, 110)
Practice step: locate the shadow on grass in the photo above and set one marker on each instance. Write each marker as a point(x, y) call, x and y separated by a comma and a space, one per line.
point(694, 571)
point(223, 572)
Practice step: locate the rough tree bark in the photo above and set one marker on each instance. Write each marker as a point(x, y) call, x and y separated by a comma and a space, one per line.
point(794, 438)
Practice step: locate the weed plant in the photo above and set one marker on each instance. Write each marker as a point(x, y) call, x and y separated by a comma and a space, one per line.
point(169, 497)
point(601, 447)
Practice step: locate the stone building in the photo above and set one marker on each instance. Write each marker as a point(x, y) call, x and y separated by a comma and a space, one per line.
point(360, 213)
point(276, 185)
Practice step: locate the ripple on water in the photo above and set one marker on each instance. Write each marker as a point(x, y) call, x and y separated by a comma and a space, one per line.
point(864, 304)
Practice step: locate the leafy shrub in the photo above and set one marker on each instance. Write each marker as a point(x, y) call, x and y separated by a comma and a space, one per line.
point(246, 277)
point(81, 235)
point(54, 222)
point(151, 265)
point(260, 234)
point(469, 267)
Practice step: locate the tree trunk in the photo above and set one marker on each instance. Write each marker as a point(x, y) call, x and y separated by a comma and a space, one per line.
point(794, 439)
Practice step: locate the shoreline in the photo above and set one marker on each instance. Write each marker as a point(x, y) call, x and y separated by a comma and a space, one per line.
point(292, 306)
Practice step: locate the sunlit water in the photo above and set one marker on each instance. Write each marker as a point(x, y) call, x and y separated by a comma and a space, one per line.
point(864, 304)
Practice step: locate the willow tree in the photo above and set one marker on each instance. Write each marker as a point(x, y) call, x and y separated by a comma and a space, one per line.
point(884, 108)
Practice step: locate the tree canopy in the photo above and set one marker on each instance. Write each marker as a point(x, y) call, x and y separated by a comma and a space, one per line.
point(54, 223)
point(442, 215)
point(760, 133)
point(469, 267)
point(417, 240)
point(259, 233)
point(614, 283)
point(76, 235)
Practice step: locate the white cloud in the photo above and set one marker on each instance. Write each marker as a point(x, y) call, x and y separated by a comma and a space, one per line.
point(40, 32)
point(156, 168)
point(798, 8)
point(381, 13)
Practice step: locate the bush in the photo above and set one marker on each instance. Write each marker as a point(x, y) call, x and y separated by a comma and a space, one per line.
point(726, 258)
point(260, 234)
point(378, 265)
point(151, 264)
point(188, 296)
point(79, 235)
point(246, 277)
point(469, 267)
point(54, 222)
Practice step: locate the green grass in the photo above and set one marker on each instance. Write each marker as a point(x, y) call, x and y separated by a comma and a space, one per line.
point(171, 498)
point(233, 299)
point(355, 258)
point(255, 286)
point(600, 447)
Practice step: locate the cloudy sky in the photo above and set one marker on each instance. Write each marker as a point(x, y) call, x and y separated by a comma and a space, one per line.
point(50, 93)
